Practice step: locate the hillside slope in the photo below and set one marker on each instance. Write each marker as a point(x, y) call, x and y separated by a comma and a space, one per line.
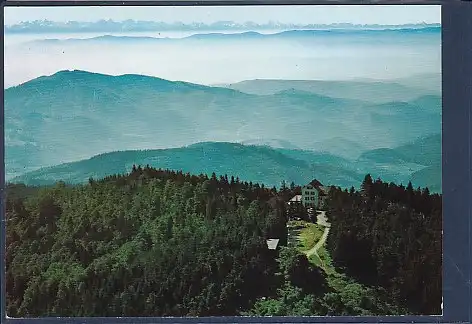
point(425, 151)
point(376, 91)
point(249, 163)
point(260, 164)
point(102, 113)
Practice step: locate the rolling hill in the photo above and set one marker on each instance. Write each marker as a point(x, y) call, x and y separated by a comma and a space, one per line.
point(260, 164)
point(430, 177)
point(101, 113)
point(250, 163)
point(424, 81)
point(425, 151)
point(375, 91)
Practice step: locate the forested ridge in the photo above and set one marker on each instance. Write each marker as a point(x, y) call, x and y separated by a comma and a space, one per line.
point(164, 243)
point(390, 236)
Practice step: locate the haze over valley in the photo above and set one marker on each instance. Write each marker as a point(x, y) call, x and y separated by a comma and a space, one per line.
point(205, 161)
point(331, 95)
point(224, 57)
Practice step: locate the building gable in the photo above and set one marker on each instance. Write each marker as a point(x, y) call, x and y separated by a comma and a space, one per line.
point(316, 184)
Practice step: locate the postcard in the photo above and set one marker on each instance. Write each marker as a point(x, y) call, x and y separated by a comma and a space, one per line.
point(223, 161)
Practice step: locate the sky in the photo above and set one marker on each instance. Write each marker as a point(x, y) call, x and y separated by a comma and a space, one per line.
point(326, 14)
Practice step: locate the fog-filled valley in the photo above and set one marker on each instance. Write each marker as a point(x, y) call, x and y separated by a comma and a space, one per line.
point(337, 93)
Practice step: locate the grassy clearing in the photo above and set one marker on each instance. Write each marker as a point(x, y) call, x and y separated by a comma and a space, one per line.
point(324, 261)
point(307, 235)
point(297, 223)
point(310, 235)
point(357, 298)
point(314, 259)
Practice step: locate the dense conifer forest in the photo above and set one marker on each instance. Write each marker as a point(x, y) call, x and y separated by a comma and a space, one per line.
point(390, 236)
point(164, 243)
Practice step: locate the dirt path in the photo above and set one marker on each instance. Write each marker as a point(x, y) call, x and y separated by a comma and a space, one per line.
point(323, 221)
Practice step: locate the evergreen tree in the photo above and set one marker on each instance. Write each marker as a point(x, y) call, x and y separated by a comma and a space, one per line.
point(366, 185)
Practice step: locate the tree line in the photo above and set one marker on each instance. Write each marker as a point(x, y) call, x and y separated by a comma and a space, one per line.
point(159, 242)
point(390, 236)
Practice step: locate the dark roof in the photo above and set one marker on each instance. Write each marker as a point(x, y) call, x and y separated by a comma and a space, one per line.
point(315, 183)
point(323, 190)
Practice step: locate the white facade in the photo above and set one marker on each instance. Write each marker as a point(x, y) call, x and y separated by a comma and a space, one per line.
point(310, 196)
point(313, 194)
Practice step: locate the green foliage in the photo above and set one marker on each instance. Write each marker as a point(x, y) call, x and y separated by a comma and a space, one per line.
point(164, 243)
point(301, 291)
point(310, 235)
point(390, 236)
point(152, 243)
point(291, 301)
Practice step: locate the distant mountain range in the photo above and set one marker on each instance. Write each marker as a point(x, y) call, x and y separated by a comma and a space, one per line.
point(365, 35)
point(425, 151)
point(46, 26)
point(73, 115)
point(426, 86)
point(252, 163)
point(260, 164)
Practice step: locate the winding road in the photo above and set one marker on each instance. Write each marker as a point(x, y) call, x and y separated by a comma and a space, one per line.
point(322, 220)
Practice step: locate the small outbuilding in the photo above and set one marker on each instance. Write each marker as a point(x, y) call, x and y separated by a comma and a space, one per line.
point(272, 244)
